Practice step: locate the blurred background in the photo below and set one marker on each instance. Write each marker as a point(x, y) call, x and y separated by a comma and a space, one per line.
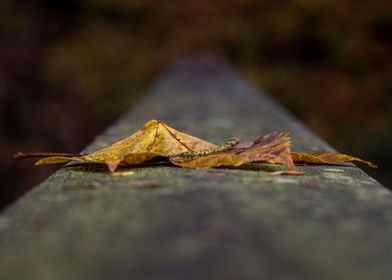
point(69, 68)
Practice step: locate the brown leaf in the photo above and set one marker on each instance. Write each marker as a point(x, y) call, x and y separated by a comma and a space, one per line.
point(272, 148)
point(326, 158)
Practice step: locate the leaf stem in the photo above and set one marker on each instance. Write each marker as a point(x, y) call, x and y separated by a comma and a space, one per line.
point(20, 155)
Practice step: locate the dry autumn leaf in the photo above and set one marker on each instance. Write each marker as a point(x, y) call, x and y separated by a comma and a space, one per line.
point(272, 148)
point(156, 139)
point(327, 158)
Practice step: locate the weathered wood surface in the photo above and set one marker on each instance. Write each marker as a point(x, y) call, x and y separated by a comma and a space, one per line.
point(83, 223)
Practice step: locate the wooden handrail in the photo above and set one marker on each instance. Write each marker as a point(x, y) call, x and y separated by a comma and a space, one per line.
point(164, 222)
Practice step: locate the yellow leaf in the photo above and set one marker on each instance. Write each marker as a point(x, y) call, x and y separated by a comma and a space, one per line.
point(154, 139)
point(326, 158)
point(56, 159)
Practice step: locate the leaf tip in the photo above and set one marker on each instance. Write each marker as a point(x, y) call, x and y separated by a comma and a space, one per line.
point(372, 165)
point(112, 165)
point(18, 155)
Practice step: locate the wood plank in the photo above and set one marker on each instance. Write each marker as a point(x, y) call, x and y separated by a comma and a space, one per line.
point(83, 223)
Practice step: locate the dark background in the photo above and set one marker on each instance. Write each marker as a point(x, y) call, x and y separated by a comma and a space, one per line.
point(69, 68)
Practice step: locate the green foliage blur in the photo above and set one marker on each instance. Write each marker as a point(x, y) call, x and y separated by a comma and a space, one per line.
point(69, 68)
